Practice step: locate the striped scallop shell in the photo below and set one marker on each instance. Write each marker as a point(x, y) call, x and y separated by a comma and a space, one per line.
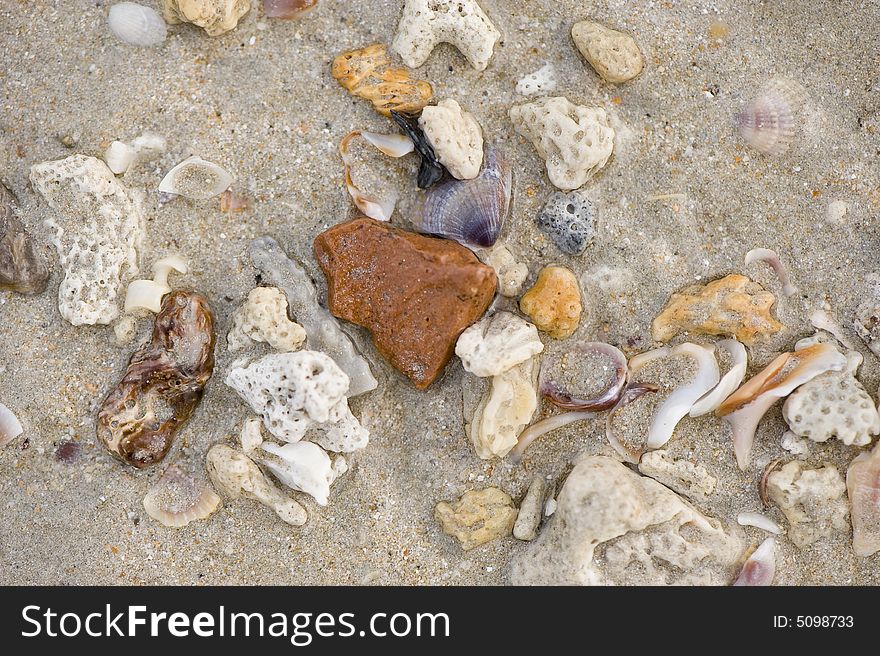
point(471, 212)
point(770, 121)
point(136, 25)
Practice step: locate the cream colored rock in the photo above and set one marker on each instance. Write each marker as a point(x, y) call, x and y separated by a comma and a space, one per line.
point(614, 527)
point(812, 500)
point(300, 392)
point(462, 23)
point(456, 137)
point(263, 318)
point(479, 516)
point(98, 228)
point(234, 475)
point(496, 343)
point(214, 16)
point(834, 404)
point(682, 476)
point(574, 141)
point(614, 55)
point(511, 273)
point(863, 488)
point(505, 409)
point(531, 511)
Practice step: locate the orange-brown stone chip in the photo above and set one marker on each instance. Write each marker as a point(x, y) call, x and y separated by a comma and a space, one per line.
point(367, 73)
point(415, 294)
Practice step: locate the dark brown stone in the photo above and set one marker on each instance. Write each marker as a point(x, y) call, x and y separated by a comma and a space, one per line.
point(415, 294)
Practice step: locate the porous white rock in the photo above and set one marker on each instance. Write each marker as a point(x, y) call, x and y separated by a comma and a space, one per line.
point(496, 343)
point(234, 475)
point(98, 229)
point(812, 500)
point(540, 82)
point(462, 23)
point(614, 527)
point(574, 141)
point(455, 136)
point(614, 55)
point(263, 318)
point(251, 435)
point(298, 392)
point(511, 273)
point(683, 476)
point(302, 466)
point(834, 404)
point(504, 410)
point(214, 16)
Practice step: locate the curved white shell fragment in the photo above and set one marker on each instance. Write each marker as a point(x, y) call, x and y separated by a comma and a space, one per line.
point(196, 179)
point(120, 156)
point(822, 320)
point(729, 381)
point(758, 521)
point(10, 427)
point(760, 567)
point(178, 499)
point(744, 408)
point(680, 401)
point(303, 466)
point(539, 428)
point(147, 294)
point(863, 489)
point(772, 259)
point(136, 25)
point(393, 145)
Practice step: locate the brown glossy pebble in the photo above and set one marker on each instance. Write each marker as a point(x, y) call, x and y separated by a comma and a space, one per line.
point(22, 270)
point(415, 294)
point(163, 383)
point(368, 73)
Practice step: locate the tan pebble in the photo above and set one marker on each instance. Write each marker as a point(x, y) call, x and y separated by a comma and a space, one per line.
point(479, 516)
point(554, 302)
point(732, 306)
point(614, 55)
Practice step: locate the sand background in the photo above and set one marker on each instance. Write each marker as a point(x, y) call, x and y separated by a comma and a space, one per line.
point(261, 102)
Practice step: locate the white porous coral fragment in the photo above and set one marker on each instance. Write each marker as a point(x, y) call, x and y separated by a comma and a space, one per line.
point(456, 137)
point(98, 231)
point(303, 466)
point(812, 500)
point(613, 54)
point(682, 476)
point(496, 343)
point(251, 434)
point(462, 23)
point(298, 392)
point(834, 404)
point(511, 273)
point(214, 16)
point(263, 318)
point(541, 81)
point(147, 294)
point(234, 474)
point(574, 141)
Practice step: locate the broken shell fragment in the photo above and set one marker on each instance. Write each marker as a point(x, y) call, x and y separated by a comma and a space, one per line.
point(733, 306)
point(10, 427)
point(430, 169)
point(572, 363)
point(773, 261)
point(863, 488)
point(744, 408)
point(758, 521)
point(760, 568)
point(544, 426)
point(234, 474)
point(769, 122)
point(367, 73)
point(163, 383)
point(736, 352)
point(178, 499)
point(393, 145)
point(196, 179)
point(288, 9)
point(303, 466)
point(631, 451)
point(22, 269)
point(148, 294)
point(472, 212)
point(121, 157)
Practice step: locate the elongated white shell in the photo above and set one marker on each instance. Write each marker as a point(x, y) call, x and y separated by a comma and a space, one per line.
point(136, 25)
point(196, 179)
point(178, 499)
point(761, 565)
point(728, 383)
point(10, 427)
point(682, 398)
point(758, 521)
point(773, 261)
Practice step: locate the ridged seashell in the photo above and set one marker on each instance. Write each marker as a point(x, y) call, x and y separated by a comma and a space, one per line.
point(196, 179)
point(136, 25)
point(10, 427)
point(471, 212)
point(178, 499)
point(288, 9)
point(769, 122)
